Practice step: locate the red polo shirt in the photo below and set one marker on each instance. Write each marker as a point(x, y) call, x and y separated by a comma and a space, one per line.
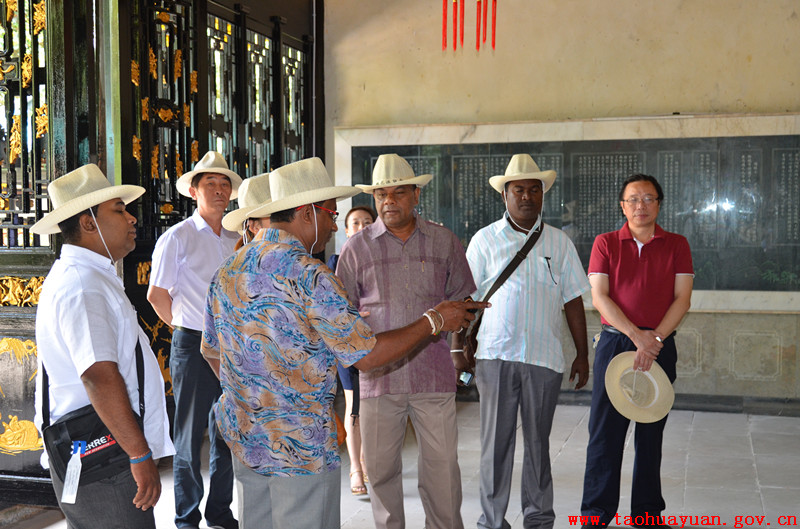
point(642, 285)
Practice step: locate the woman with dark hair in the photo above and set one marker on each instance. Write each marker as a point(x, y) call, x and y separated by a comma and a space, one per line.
point(356, 220)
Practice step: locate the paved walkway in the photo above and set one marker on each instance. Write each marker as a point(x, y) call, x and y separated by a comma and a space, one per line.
point(740, 468)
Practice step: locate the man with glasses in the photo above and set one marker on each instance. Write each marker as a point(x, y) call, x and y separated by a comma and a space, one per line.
point(392, 270)
point(184, 259)
point(641, 278)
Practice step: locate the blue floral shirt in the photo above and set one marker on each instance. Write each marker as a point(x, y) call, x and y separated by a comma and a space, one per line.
point(278, 320)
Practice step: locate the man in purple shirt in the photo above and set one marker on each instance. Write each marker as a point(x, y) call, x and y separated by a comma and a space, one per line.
point(391, 270)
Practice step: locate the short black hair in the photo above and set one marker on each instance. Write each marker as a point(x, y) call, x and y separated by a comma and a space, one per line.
point(71, 227)
point(638, 177)
point(287, 215)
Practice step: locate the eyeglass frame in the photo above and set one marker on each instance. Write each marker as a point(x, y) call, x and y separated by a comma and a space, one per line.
point(334, 214)
point(646, 201)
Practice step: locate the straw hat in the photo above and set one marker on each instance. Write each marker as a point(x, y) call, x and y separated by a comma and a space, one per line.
point(522, 167)
point(212, 162)
point(253, 193)
point(301, 183)
point(392, 170)
point(641, 396)
point(78, 191)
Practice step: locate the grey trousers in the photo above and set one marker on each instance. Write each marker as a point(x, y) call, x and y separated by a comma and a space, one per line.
point(505, 388)
point(107, 503)
point(288, 502)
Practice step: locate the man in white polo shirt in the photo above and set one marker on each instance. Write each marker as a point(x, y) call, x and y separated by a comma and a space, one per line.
point(185, 258)
point(520, 362)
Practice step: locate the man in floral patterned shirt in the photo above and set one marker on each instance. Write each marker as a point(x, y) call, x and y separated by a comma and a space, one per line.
point(277, 322)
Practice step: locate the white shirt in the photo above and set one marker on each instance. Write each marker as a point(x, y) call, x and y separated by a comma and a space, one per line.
point(525, 319)
point(85, 317)
point(184, 260)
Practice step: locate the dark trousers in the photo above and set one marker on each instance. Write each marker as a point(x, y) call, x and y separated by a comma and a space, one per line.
point(607, 431)
point(196, 389)
point(106, 503)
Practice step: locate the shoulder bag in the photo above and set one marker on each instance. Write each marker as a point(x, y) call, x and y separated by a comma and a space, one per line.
point(101, 455)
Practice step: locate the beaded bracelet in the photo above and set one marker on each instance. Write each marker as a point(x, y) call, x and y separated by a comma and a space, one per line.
point(142, 458)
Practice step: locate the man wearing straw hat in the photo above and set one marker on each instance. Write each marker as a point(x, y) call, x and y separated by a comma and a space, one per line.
point(641, 279)
point(86, 334)
point(520, 361)
point(184, 259)
point(393, 269)
point(277, 322)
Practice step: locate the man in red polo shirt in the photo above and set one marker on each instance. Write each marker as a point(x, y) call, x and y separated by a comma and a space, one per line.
point(641, 278)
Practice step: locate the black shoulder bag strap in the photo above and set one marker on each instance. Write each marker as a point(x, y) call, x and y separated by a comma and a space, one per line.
point(139, 376)
point(515, 262)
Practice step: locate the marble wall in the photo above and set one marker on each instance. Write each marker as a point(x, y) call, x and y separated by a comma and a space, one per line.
point(732, 343)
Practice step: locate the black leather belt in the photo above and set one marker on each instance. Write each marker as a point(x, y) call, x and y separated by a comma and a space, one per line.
point(614, 330)
point(188, 331)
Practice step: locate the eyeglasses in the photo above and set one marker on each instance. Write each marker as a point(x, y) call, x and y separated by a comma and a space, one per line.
point(334, 214)
point(635, 201)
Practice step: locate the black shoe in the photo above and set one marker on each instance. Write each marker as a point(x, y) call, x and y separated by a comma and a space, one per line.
point(594, 526)
point(227, 524)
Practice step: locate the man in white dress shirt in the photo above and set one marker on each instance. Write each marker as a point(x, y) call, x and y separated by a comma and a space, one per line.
point(86, 334)
point(520, 362)
point(184, 260)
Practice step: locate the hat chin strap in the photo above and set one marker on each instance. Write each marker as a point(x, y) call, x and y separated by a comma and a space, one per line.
point(316, 230)
point(101, 235)
point(511, 219)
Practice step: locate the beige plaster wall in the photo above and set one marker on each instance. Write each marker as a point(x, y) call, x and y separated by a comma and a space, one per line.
point(559, 60)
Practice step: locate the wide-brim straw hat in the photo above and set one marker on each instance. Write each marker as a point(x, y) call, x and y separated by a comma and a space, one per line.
point(253, 193)
point(212, 162)
point(393, 170)
point(78, 191)
point(641, 396)
point(522, 167)
point(301, 183)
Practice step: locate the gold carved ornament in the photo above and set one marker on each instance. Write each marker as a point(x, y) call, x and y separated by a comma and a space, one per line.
point(19, 291)
point(163, 16)
point(27, 70)
point(178, 164)
point(137, 148)
point(153, 64)
point(193, 82)
point(145, 108)
point(15, 141)
point(42, 125)
point(195, 151)
point(143, 273)
point(187, 115)
point(4, 71)
point(135, 72)
point(163, 357)
point(166, 114)
point(39, 17)
point(178, 66)
point(154, 163)
point(11, 9)
point(18, 435)
point(167, 208)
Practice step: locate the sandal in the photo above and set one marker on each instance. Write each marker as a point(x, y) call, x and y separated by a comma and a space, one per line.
point(357, 490)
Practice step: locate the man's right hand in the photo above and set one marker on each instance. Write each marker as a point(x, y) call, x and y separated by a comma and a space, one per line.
point(457, 314)
point(148, 482)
